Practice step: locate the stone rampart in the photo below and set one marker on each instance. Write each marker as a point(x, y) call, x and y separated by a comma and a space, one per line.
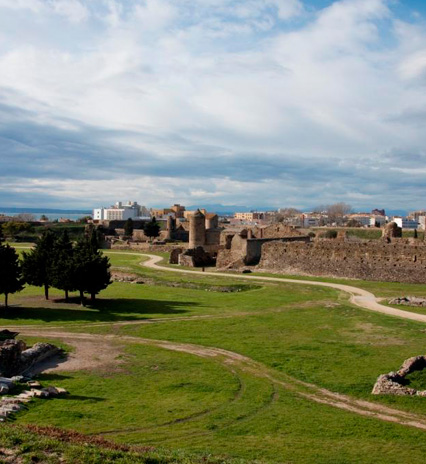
point(399, 261)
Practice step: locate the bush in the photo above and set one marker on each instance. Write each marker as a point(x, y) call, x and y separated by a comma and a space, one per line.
point(329, 234)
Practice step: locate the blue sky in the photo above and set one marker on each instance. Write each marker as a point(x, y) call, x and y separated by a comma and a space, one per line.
point(242, 102)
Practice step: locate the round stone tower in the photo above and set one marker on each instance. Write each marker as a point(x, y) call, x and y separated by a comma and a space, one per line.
point(197, 230)
point(170, 227)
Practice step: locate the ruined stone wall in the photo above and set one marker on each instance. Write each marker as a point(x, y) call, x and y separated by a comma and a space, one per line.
point(146, 247)
point(139, 235)
point(245, 251)
point(213, 236)
point(275, 231)
point(399, 261)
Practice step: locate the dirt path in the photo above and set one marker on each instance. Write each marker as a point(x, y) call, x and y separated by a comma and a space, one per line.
point(359, 297)
point(247, 365)
point(89, 343)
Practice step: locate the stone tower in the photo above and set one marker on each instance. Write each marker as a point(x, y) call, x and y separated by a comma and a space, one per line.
point(170, 227)
point(212, 221)
point(197, 230)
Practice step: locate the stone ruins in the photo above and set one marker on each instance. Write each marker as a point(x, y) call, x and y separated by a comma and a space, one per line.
point(17, 363)
point(395, 383)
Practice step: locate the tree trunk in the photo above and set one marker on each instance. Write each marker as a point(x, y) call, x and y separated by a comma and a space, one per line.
point(5, 300)
point(82, 298)
point(66, 295)
point(92, 297)
point(46, 291)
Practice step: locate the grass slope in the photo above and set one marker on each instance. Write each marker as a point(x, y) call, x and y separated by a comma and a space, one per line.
point(208, 406)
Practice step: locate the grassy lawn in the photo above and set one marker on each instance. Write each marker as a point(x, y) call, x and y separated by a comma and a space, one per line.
point(190, 406)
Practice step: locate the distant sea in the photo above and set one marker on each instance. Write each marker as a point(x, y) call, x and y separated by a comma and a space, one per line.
point(52, 214)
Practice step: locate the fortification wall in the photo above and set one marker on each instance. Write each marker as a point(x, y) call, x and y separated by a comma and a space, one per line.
point(276, 231)
point(399, 261)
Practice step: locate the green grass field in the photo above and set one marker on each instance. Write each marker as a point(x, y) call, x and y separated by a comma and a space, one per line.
point(196, 405)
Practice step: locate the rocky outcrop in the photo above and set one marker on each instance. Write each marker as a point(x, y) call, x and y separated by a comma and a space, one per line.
point(394, 383)
point(408, 301)
point(15, 358)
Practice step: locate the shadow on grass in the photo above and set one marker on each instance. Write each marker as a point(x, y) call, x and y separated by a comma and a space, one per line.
point(102, 310)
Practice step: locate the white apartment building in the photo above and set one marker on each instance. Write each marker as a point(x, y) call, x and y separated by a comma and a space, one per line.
point(422, 222)
point(378, 221)
point(120, 212)
point(406, 223)
point(310, 221)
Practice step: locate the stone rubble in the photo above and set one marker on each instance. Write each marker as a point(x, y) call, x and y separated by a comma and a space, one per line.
point(393, 382)
point(17, 359)
point(408, 301)
point(13, 404)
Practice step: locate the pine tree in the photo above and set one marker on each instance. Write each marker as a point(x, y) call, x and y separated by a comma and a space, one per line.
point(37, 264)
point(128, 227)
point(92, 235)
point(62, 269)
point(152, 228)
point(91, 270)
point(10, 272)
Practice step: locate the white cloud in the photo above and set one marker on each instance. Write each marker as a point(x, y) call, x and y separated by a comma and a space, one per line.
point(414, 66)
point(288, 8)
point(73, 10)
point(174, 78)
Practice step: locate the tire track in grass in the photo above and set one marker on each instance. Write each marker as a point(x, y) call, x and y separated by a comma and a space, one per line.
point(257, 369)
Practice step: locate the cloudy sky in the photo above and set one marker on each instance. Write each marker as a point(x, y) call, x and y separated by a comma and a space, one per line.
point(243, 102)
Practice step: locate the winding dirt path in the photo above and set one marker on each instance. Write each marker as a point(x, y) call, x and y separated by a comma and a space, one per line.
point(359, 297)
point(255, 368)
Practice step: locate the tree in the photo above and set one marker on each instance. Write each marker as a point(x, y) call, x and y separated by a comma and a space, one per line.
point(152, 228)
point(353, 223)
point(37, 264)
point(329, 234)
point(1, 234)
point(286, 213)
point(91, 270)
point(337, 211)
point(25, 217)
point(44, 218)
point(62, 268)
point(12, 228)
point(128, 227)
point(10, 272)
point(93, 236)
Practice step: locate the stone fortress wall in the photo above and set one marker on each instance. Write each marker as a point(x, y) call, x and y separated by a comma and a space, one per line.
point(401, 260)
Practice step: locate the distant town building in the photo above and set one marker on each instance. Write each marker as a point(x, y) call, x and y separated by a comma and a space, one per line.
point(310, 221)
point(378, 212)
point(417, 214)
point(120, 212)
point(406, 223)
point(4, 218)
point(176, 211)
point(362, 218)
point(377, 221)
point(179, 211)
point(252, 216)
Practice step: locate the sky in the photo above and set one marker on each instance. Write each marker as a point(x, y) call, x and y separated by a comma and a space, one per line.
point(245, 102)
